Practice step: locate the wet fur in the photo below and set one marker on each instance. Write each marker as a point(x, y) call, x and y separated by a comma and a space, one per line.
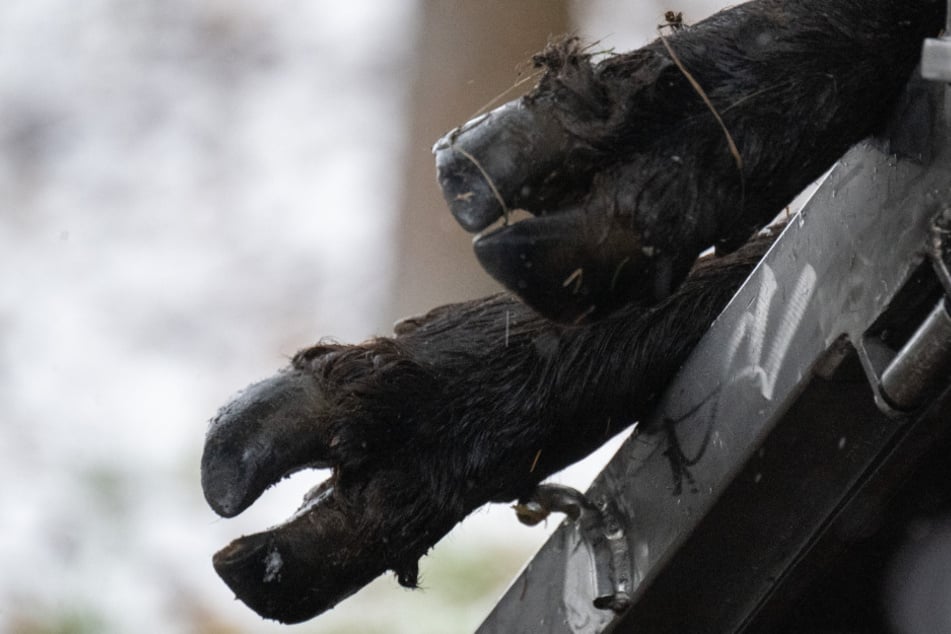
point(471, 403)
point(796, 84)
point(497, 397)
point(642, 177)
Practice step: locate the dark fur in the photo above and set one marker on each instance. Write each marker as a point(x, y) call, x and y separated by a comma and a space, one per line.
point(482, 400)
point(473, 402)
point(636, 176)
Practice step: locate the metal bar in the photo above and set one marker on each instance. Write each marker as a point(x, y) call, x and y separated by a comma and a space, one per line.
point(923, 362)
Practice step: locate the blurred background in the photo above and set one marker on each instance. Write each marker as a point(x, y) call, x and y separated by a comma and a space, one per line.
point(189, 193)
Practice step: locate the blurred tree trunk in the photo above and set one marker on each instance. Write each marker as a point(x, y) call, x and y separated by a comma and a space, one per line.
point(467, 53)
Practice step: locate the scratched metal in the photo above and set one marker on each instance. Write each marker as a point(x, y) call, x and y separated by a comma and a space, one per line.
point(833, 271)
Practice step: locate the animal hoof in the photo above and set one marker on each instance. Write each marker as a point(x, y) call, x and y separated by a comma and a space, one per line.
point(513, 157)
point(560, 266)
point(268, 431)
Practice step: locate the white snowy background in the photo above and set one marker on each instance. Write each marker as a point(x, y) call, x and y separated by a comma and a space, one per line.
point(189, 192)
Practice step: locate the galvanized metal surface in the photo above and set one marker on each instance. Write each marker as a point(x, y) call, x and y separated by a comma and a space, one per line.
point(838, 266)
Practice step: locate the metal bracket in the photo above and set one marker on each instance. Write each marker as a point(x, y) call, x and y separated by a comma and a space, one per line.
point(904, 377)
point(599, 536)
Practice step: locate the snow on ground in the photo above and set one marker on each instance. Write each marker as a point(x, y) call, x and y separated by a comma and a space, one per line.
point(189, 191)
